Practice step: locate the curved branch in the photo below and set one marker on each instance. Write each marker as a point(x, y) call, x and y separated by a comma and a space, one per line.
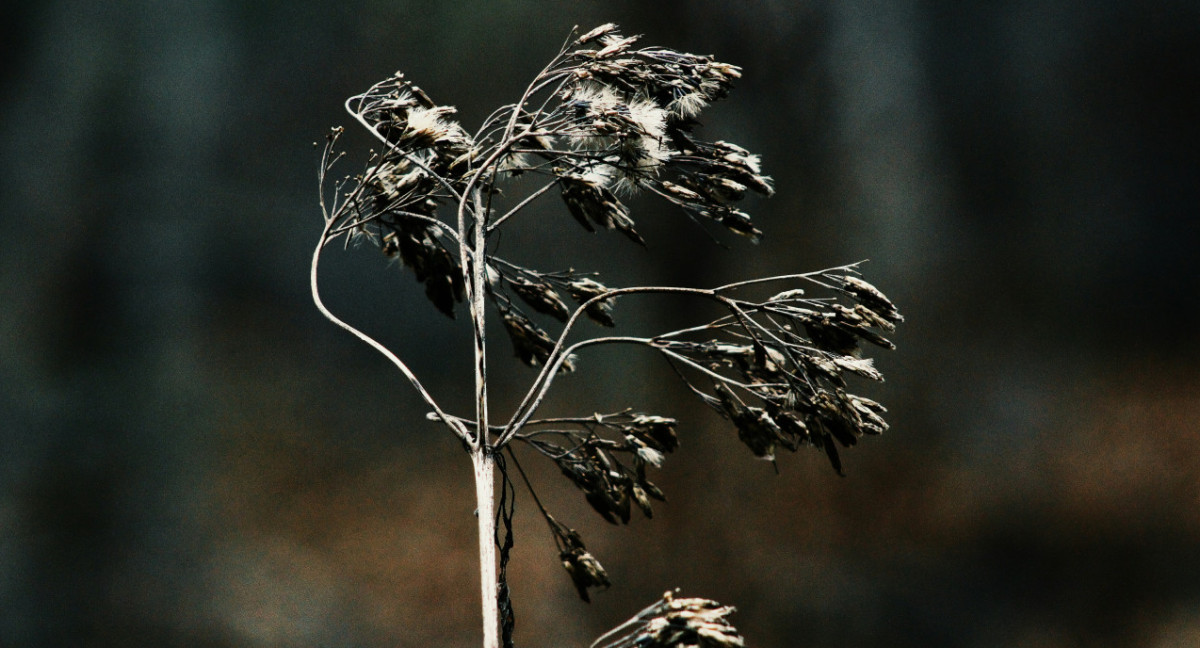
point(560, 353)
point(533, 399)
point(452, 423)
point(705, 370)
point(521, 205)
point(808, 276)
point(349, 225)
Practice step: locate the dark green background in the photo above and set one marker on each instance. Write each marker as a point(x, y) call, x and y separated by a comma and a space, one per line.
point(191, 456)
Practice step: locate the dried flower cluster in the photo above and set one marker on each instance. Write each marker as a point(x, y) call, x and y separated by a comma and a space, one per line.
point(606, 456)
point(778, 368)
point(593, 461)
point(676, 623)
point(619, 119)
point(605, 118)
point(602, 119)
point(583, 568)
point(543, 293)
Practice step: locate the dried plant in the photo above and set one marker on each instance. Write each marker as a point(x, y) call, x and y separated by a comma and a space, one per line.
point(675, 622)
point(605, 119)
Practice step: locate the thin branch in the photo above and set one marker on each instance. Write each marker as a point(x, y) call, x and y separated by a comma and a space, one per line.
point(705, 370)
point(808, 276)
point(554, 362)
point(637, 619)
point(521, 205)
point(454, 426)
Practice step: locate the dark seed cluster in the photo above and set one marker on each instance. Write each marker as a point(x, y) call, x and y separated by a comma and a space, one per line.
point(395, 201)
point(590, 202)
point(606, 457)
point(585, 571)
point(621, 118)
point(607, 117)
point(778, 368)
point(542, 293)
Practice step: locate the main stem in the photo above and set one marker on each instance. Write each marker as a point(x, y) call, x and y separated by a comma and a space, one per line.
point(481, 449)
point(484, 464)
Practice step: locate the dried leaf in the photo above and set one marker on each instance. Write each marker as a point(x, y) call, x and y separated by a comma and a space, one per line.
point(583, 289)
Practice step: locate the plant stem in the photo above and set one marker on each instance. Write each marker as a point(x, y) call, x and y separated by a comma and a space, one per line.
point(481, 449)
point(484, 464)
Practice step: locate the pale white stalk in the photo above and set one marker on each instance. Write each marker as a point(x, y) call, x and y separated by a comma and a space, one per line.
point(481, 448)
point(485, 465)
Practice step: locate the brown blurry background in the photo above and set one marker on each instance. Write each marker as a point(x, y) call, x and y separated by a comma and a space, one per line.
point(191, 456)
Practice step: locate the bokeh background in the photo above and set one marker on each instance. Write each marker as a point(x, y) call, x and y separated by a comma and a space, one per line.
point(191, 456)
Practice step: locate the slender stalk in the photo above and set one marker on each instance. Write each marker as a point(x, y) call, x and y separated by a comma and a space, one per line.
point(481, 451)
point(485, 464)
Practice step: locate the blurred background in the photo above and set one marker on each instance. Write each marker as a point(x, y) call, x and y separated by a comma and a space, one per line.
point(192, 456)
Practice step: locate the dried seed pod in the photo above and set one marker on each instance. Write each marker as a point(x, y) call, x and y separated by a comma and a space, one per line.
point(614, 44)
point(681, 193)
point(602, 30)
point(755, 427)
point(830, 447)
point(871, 297)
point(794, 432)
point(583, 289)
point(644, 453)
point(864, 367)
point(604, 489)
point(445, 290)
point(854, 321)
point(678, 623)
point(871, 318)
point(738, 221)
point(727, 189)
point(530, 343)
point(870, 414)
point(427, 127)
point(430, 262)
point(540, 295)
point(641, 498)
point(743, 167)
point(612, 504)
point(758, 432)
point(836, 419)
point(656, 431)
point(826, 333)
point(590, 202)
point(585, 571)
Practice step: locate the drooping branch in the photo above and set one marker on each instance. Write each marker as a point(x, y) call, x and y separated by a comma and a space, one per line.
point(454, 425)
point(795, 380)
